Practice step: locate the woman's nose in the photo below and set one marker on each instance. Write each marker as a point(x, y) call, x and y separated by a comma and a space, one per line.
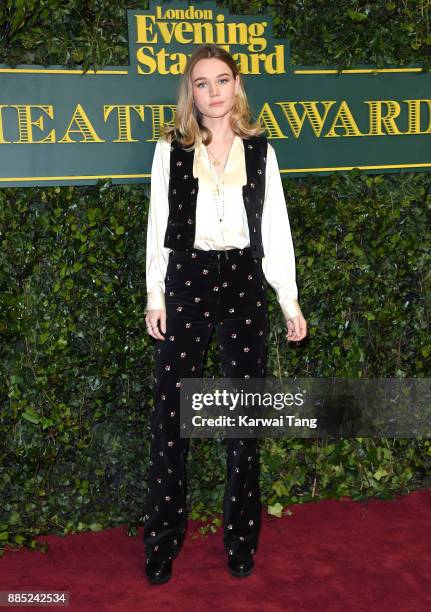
point(213, 90)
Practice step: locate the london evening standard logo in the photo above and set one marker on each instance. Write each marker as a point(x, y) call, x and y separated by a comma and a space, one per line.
point(161, 32)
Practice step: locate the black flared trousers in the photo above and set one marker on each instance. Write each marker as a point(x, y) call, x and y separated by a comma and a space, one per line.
point(204, 290)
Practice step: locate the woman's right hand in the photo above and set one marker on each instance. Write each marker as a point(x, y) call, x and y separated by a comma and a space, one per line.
point(152, 319)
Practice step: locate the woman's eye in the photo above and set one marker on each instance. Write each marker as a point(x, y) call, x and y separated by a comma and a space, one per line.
point(221, 81)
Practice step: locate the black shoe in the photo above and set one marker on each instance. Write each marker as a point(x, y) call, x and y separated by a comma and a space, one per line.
point(158, 572)
point(241, 565)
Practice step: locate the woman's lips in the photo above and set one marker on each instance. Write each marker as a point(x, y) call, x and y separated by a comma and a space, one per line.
point(216, 103)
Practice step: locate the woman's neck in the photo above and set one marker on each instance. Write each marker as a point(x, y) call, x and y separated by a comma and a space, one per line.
point(221, 130)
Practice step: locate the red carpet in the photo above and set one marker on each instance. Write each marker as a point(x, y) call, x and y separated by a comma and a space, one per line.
point(327, 556)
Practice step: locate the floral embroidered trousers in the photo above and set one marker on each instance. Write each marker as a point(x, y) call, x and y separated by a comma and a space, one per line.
point(205, 290)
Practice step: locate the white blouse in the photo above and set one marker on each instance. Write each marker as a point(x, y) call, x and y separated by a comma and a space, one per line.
point(278, 265)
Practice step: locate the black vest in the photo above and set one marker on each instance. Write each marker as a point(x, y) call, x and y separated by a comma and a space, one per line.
point(183, 190)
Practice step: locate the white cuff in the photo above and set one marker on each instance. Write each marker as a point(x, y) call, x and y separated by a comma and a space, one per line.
point(155, 300)
point(290, 308)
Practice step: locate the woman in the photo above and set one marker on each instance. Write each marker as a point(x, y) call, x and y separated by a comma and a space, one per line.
point(217, 226)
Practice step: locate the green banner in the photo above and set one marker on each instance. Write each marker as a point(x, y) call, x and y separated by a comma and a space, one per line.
point(61, 126)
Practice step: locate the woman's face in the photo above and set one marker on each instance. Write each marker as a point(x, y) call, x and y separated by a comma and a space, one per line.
point(214, 87)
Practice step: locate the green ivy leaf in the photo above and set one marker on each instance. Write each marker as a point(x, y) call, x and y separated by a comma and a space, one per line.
point(31, 415)
point(275, 510)
point(380, 473)
point(355, 15)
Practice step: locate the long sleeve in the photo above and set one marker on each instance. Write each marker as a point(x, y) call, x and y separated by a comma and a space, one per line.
point(157, 255)
point(278, 265)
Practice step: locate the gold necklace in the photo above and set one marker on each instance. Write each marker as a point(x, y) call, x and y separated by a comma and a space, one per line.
point(220, 215)
point(216, 161)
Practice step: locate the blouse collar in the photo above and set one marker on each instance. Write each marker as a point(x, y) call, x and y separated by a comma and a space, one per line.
point(234, 174)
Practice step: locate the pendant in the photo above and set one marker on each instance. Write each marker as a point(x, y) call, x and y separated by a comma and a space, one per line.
point(216, 163)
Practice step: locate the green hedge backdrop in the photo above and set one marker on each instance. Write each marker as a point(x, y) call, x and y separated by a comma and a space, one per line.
point(76, 363)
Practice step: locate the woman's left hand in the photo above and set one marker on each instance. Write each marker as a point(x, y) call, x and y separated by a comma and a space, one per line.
point(296, 328)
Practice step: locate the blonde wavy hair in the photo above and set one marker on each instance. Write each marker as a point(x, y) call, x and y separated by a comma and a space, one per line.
point(189, 130)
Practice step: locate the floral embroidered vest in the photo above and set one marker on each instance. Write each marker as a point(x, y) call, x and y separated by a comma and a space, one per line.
point(183, 190)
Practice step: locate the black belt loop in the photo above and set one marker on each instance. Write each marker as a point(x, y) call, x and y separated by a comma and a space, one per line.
point(226, 255)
